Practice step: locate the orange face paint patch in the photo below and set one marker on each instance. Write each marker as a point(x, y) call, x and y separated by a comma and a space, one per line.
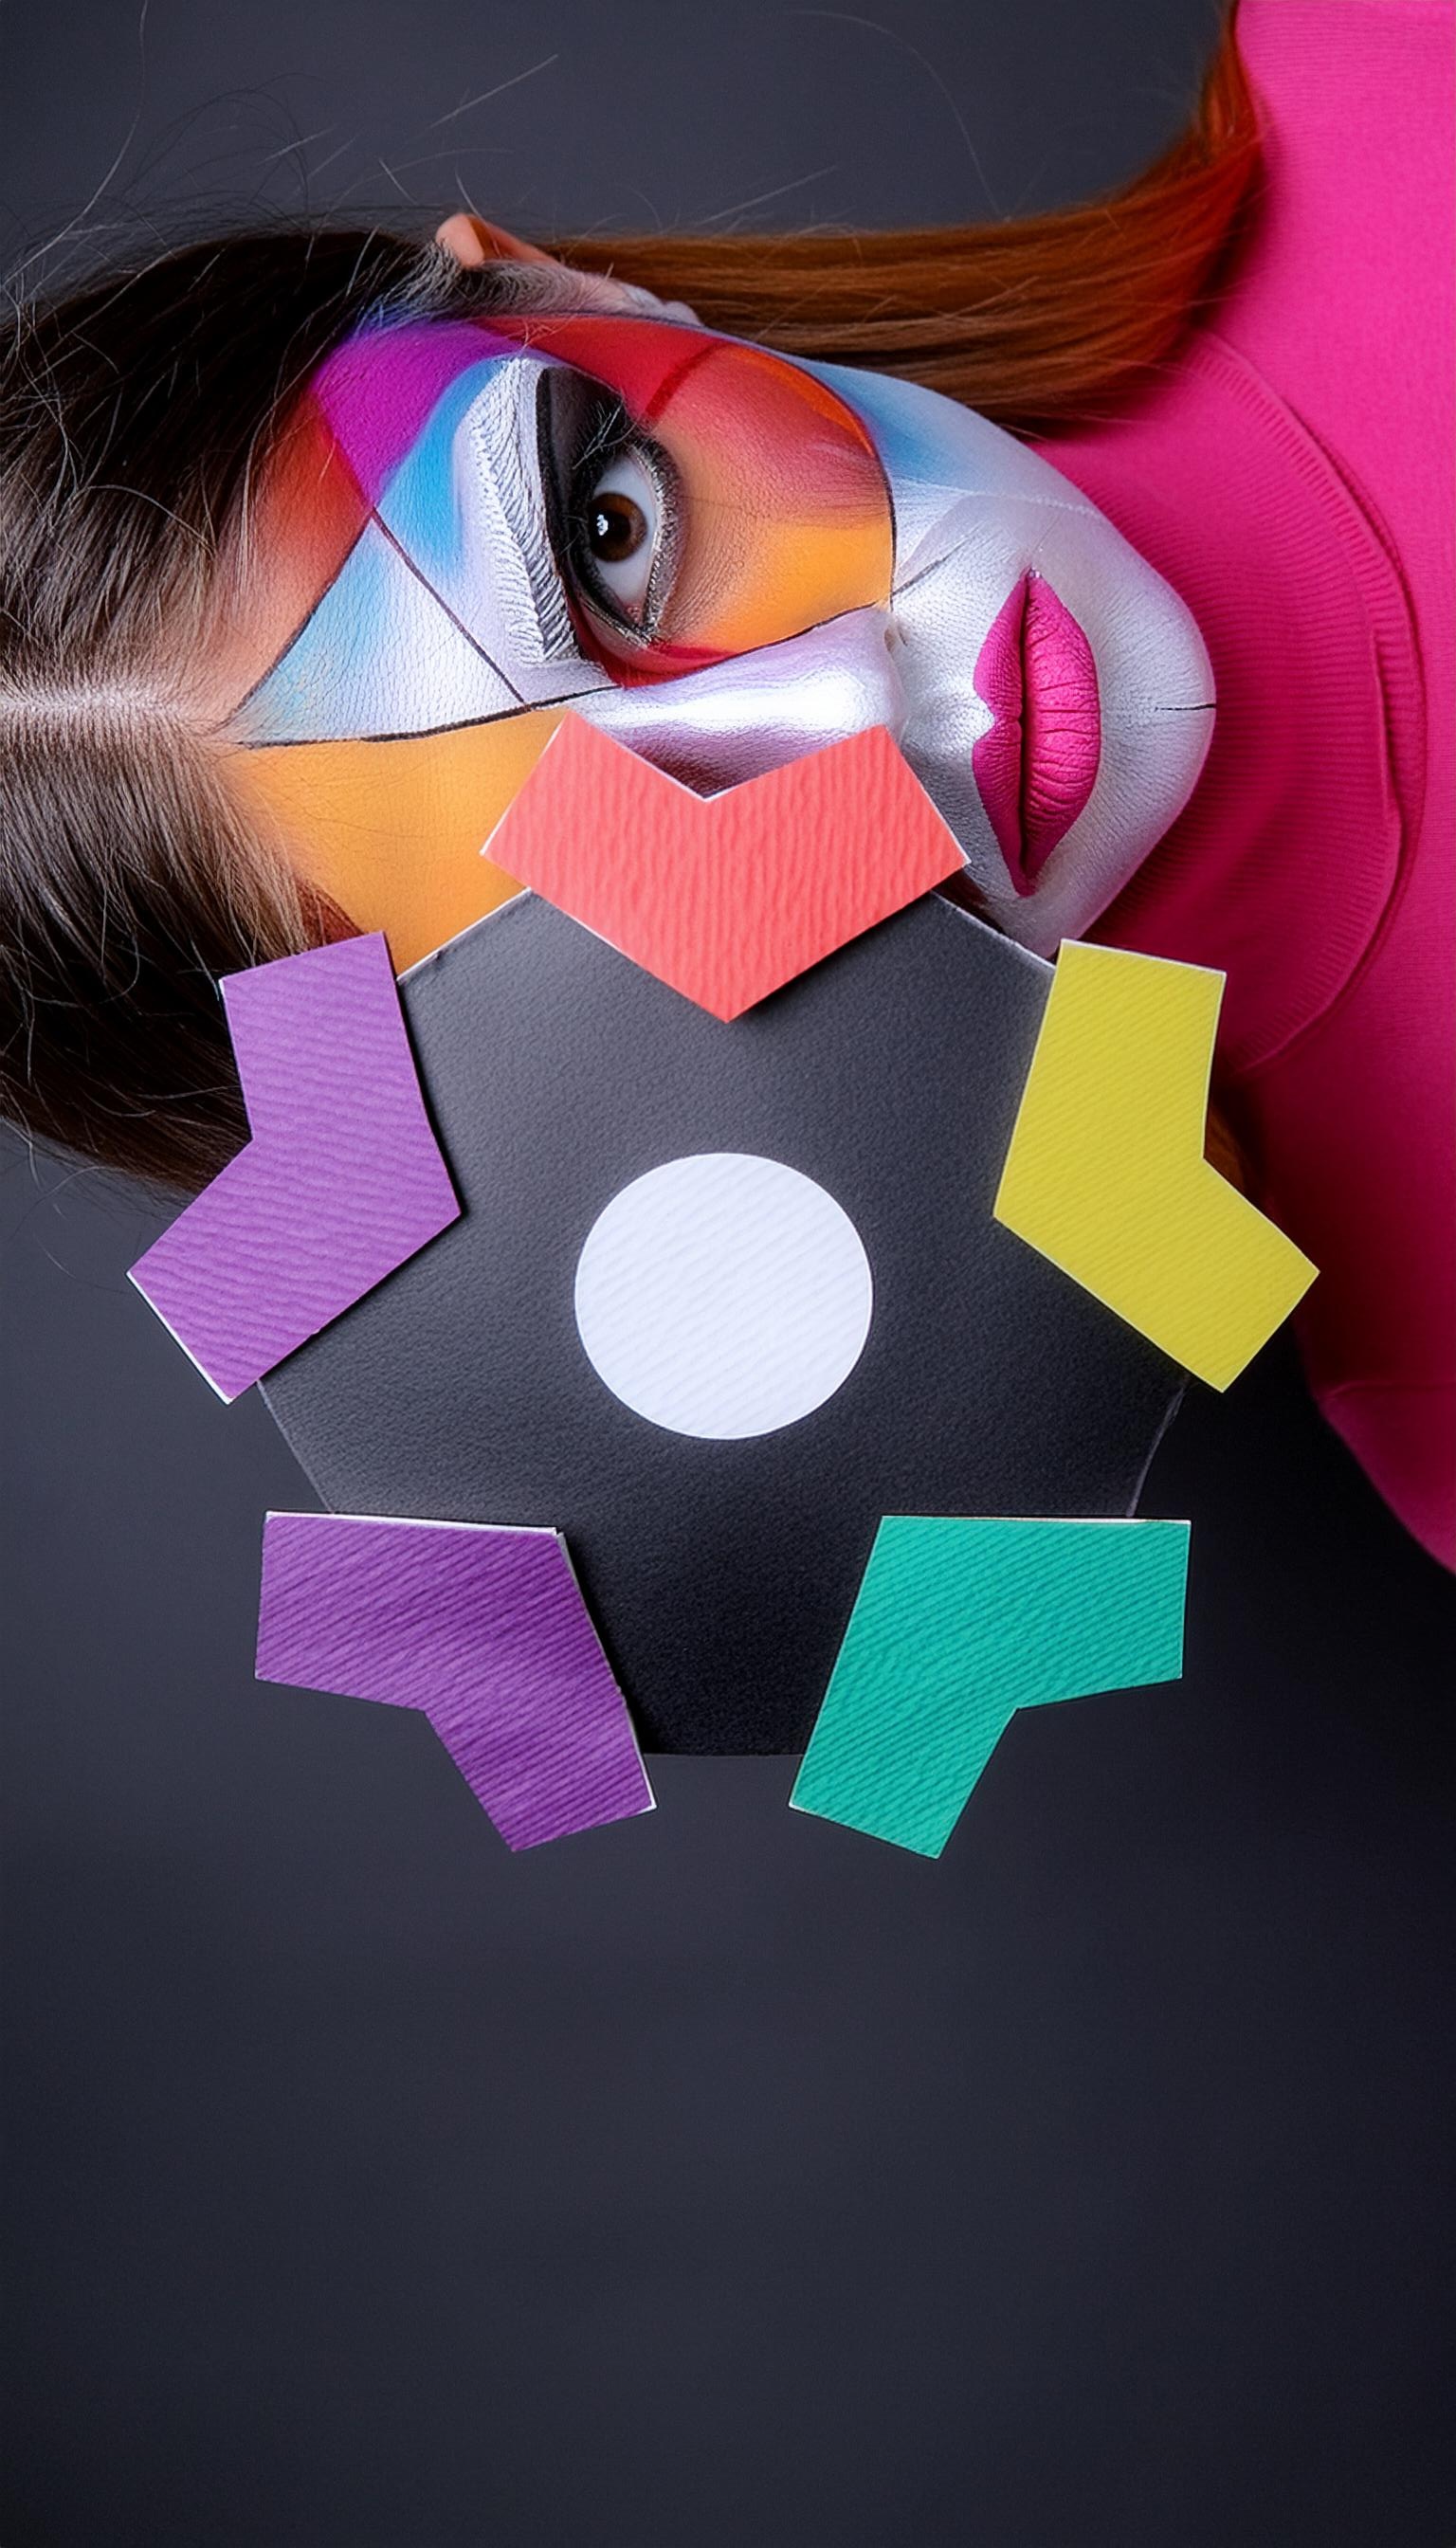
point(391, 831)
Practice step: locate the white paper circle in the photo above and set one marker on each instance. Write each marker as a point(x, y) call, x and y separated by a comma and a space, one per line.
point(723, 1295)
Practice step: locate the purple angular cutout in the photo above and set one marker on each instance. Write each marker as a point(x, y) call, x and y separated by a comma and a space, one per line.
point(341, 1182)
point(484, 1630)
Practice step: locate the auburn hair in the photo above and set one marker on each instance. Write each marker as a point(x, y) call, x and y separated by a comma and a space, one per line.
point(137, 414)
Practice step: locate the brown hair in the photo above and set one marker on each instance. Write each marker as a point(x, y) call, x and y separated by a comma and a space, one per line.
point(1033, 321)
point(135, 415)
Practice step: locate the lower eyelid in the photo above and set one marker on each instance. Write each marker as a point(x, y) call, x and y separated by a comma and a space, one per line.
point(667, 556)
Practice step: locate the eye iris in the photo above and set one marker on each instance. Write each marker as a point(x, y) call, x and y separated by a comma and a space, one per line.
point(616, 527)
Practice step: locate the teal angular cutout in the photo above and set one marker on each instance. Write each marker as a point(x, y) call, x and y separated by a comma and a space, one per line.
point(955, 1626)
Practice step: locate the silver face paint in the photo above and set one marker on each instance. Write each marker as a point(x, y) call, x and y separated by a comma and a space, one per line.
point(739, 719)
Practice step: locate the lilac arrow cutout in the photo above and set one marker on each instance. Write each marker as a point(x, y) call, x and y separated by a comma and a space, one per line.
point(484, 1630)
point(341, 1182)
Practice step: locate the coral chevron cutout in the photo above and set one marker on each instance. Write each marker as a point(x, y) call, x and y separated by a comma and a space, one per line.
point(724, 897)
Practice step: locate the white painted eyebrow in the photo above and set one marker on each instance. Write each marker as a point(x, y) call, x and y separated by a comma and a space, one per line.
point(501, 434)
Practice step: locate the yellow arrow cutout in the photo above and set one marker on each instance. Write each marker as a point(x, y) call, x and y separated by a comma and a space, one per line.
point(1106, 1174)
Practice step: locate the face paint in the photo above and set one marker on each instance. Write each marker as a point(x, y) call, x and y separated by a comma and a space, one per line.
point(725, 559)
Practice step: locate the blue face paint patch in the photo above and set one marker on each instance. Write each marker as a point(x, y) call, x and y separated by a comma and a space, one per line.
point(423, 502)
point(379, 655)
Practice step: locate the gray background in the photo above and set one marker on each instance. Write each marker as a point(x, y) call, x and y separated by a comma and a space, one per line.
point(725, 2181)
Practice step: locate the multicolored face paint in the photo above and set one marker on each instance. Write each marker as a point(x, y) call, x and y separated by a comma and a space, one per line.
point(726, 560)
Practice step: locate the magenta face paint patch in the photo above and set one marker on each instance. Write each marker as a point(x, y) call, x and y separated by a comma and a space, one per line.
point(377, 391)
point(341, 1182)
point(485, 1632)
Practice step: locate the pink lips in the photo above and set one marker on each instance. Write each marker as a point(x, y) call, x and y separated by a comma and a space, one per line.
point(1034, 767)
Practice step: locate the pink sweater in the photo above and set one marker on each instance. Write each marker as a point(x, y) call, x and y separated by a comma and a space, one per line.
point(1291, 476)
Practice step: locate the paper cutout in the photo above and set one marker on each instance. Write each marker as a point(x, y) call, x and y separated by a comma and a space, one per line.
point(723, 1295)
point(1105, 1171)
point(722, 1571)
point(725, 897)
point(340, 1183)
point(959, 1623)
point(484, 1631)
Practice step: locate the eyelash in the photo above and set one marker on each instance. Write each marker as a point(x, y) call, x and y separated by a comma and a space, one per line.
point(606, 431)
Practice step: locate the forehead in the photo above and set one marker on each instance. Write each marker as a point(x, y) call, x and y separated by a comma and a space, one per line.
point(378, 391)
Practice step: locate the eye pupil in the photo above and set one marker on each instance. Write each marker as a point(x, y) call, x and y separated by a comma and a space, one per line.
point(616, 527)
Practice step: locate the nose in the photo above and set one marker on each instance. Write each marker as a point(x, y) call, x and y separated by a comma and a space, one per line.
point(753, 712)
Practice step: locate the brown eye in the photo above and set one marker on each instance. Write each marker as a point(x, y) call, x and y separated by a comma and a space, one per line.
point(621, 530)
point(616, 530)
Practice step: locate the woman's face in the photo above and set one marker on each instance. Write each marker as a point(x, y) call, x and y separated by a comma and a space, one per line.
point(723, 558)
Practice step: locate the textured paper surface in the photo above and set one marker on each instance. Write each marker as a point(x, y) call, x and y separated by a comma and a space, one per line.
point(340, 1183)
point(725, 897)
point(1105, 1171)
point(959, 1623)
point(482, 1630)
point(721, 1572)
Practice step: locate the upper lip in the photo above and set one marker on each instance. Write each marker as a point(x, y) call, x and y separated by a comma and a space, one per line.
point(1036, 764)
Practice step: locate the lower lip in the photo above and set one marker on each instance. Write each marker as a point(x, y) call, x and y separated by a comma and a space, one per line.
point(1034, 767)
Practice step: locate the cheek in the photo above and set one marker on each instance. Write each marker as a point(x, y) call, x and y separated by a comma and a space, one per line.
point(788, 516)
point(391, 831)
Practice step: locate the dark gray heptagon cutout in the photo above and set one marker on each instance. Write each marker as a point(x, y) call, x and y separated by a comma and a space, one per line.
point(721, 1573)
